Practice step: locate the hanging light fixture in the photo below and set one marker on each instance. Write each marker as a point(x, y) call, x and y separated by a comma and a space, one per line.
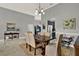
point(39, 11)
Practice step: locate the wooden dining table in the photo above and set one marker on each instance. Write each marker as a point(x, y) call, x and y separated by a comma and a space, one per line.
point(44, 40)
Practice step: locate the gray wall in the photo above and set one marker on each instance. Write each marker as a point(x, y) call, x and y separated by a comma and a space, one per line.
point(60, 12)
point(20, 19)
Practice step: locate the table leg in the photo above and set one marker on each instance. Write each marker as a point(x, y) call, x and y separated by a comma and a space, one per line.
point(29, 48)
point(43, 51)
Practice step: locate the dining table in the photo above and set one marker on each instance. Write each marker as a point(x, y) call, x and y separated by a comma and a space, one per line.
point(44, 40)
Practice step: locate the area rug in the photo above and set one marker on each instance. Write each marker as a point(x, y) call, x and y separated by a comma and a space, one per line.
point(30, 53)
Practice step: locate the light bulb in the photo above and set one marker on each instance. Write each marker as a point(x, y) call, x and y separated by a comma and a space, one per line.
point(36, 10)
point(43, 12)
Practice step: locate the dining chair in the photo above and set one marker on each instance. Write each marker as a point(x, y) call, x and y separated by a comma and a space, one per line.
point(32, 42)
point(47, 34)
point(59, 45)
point(47, 37)
point(52, 47)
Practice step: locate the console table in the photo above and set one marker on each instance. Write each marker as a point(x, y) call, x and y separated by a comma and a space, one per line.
point(11, 35)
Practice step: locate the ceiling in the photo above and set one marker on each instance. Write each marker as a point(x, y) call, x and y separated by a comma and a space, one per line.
point(28, 8)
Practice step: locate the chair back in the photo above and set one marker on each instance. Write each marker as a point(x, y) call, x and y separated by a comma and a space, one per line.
point(44, 34)
point(41, 33)
point(31, 39)
point(59, 45)
point(57, 38)
point(47, 34)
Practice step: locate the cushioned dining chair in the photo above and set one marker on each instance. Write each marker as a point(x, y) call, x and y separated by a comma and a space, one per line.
point(52, 47)
point(47, 34)
point(47, 37)
point(32, 42)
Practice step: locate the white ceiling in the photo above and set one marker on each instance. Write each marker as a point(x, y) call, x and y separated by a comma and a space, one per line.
point(28, 8)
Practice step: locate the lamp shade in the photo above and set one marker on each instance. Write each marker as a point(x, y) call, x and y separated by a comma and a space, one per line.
point(38, 17)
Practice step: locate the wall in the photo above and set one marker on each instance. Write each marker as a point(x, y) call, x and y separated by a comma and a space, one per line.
point(20, 19)
point(60, 12)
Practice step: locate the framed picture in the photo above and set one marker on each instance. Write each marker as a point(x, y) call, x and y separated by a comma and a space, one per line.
point(70, 23)
point(11, 26)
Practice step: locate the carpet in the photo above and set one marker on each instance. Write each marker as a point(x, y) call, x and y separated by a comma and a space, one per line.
point(30, 53)
point(12, 48)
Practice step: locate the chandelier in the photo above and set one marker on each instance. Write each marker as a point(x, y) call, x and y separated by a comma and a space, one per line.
point(39, 11)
